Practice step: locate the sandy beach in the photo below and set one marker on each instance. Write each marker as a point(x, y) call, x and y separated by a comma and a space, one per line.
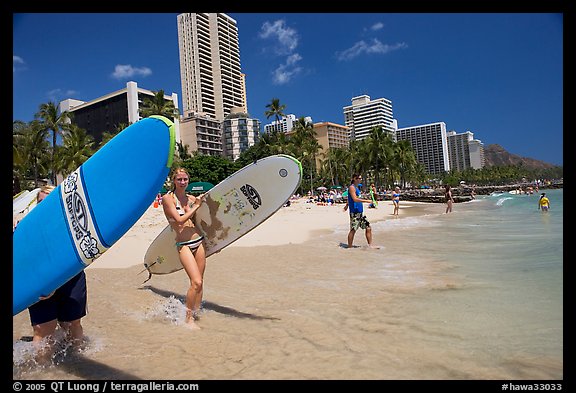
point(286, 301)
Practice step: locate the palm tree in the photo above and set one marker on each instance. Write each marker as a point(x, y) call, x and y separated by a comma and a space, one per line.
point(106, 136)
point(181, 153)
point(52, 121)
point(158, 105)
point(335, 166)
point(75, 150)
point(275, 109)
point(305, 145)
point(405, 159)
point(30, 148)
point(379, 149)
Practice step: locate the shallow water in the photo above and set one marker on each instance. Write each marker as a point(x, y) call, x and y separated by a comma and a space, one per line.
point(475, 294)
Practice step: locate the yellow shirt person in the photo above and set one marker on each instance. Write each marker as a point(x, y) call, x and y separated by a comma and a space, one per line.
point(544, 202)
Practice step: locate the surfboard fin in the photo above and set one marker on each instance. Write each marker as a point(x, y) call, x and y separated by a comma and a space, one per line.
point(149, 277)
point(149, 273)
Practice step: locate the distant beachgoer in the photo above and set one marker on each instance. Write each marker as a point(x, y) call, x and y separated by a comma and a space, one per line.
point(179, 209)
point(396, 200)
point(449, 198)
point(66, 306)
point(356, 211)
point(543, 203)
point(374, 203)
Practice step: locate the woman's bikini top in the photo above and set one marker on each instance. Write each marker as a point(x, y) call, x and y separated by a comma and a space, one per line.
point(178, 206)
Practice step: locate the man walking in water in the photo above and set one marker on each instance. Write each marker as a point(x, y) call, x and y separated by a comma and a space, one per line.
point(356, 209)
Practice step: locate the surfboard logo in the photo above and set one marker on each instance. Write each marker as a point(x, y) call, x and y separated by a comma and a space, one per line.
point(252, 195)
point(80, 221)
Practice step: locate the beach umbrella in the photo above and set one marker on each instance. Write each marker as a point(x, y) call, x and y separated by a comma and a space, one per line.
point(336, 187)
point(200, 186)
point(322, 188)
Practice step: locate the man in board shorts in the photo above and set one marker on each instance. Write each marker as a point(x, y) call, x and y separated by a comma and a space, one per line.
point(356, 209)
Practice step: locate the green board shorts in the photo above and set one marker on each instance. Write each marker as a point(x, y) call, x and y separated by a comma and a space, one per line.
point(358, 220)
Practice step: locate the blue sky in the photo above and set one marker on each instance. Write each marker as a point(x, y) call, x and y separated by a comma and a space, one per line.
point(497, 75)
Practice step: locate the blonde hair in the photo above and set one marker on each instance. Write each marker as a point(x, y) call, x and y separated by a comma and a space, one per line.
point(175, 173)
point(45, 190)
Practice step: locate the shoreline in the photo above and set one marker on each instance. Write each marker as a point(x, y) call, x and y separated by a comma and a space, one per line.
point(296, 224)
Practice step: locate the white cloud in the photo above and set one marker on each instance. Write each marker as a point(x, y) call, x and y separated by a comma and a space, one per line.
point(373, 47)
point(284, 73)
point(58, 94)
point(287, 38)
point(16, 62)
point(126, 71)
point(285, 43)
point(377, 26)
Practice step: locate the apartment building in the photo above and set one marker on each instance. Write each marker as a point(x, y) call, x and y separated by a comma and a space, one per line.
point(365, 114)
point(210, 73)
point(429, 142)
point(465, 151)
point(104, 114)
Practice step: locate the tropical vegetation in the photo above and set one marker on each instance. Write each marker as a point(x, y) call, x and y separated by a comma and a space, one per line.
point(36, 155)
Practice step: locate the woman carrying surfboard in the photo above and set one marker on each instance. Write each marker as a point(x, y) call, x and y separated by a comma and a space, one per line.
point(179, 209)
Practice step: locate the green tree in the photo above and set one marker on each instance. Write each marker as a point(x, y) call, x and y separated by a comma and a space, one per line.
point(275, 109)
point(158, 105)
point(212, 169)
point(54, 122)
point(30, 152)
point(108, 135)
point(305, 146)
point(77, 148)
point(379, 149)
point(405, 160)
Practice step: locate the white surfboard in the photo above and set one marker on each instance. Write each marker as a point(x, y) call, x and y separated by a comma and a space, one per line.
point(18, 196)
point(231, 209)
point(24, 202)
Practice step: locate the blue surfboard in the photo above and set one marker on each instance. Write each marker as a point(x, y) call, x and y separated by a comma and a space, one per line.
point(90, 210)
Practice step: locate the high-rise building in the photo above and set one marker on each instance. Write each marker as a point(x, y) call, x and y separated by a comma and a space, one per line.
point(201, 133)
point(365, 114)
point(330, 136)
point(212, 82)
point(285, 124)
point(465, 151)
point(239, 132)
point(429, 142)
point(477, 160)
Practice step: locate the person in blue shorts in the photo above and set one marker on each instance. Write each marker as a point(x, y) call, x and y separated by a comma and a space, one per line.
point(356, 211)
point(66, 306)
point(396, 201)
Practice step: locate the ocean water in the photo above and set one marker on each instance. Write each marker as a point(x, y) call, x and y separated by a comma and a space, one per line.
point(505, 258)
point(476, 294)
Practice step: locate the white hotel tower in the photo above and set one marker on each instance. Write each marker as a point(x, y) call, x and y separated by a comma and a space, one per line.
point(430, 143)
point(212, 83)
point(365, 114)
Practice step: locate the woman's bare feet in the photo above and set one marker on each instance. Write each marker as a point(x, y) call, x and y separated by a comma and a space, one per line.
point(191, 318)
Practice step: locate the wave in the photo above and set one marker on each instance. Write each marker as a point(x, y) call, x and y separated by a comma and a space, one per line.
point(501, 201)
